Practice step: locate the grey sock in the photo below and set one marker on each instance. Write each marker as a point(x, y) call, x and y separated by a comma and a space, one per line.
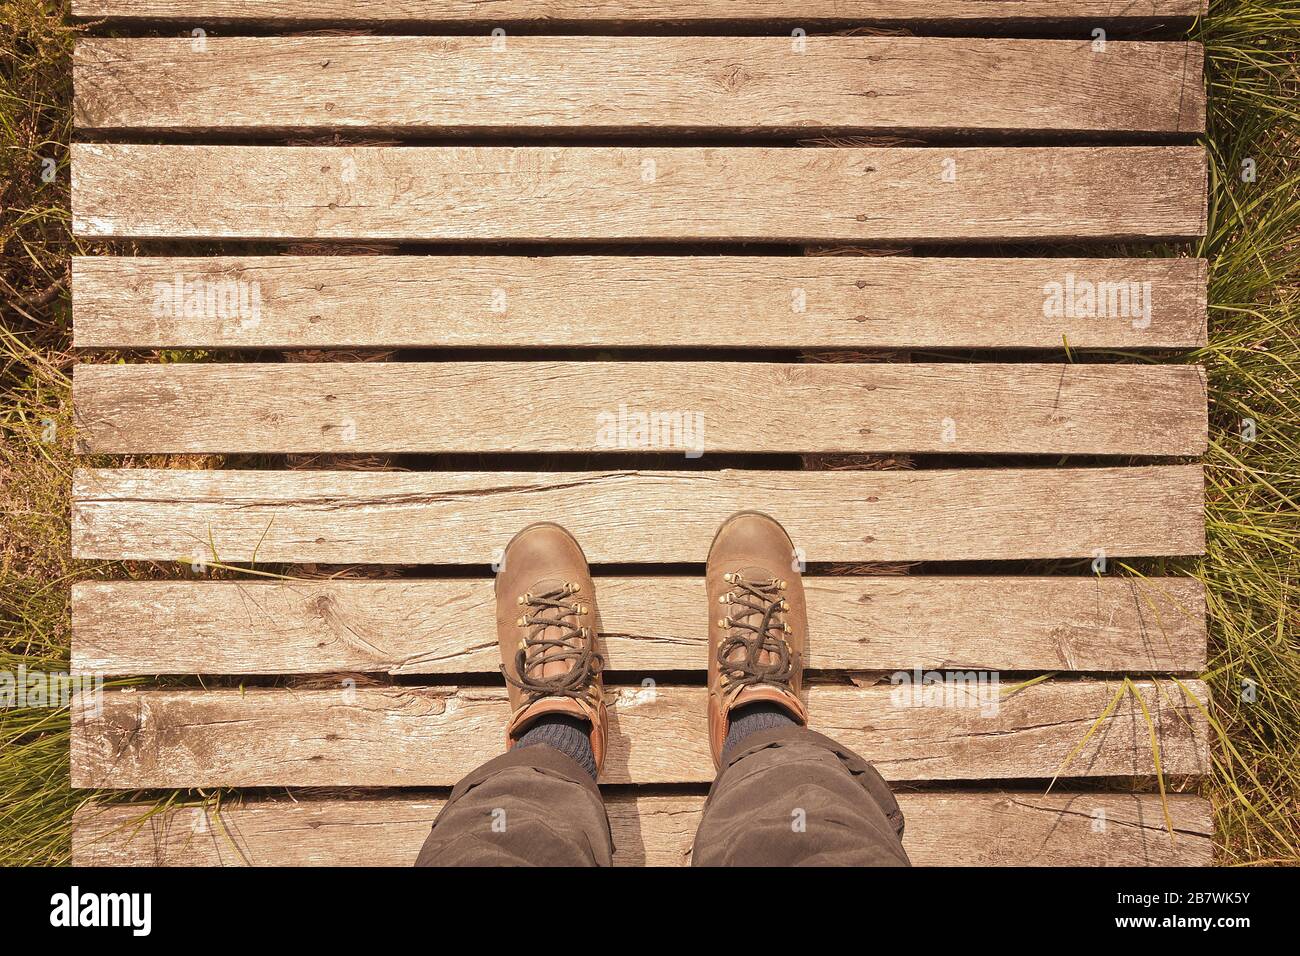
point(754, 717)
point(563, 732)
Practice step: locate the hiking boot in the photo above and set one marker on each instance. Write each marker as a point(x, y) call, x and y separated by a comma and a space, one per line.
point(758, 622)
point(546, 626)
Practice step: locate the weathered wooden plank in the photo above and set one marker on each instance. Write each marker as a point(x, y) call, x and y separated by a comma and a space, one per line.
point(692, 407)
point(471, 84)
point(447, 626)
point(635, 516)
point(619, 301)
point(638, 193)
point(432, 736)
point(978, 828)
point(625, 11)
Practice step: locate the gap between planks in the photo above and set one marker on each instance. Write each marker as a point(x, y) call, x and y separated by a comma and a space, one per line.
point(636, 11)
point(752, 302)
point(997, 828)
point(417, 736)
point(879, 623)
point(627, 84)
point(575, 193)
point(342, 517)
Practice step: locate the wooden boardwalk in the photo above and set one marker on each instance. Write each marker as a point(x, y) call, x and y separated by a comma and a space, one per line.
point(625, 209)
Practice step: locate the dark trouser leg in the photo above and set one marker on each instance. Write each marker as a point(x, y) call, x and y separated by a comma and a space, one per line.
point(792, 797)
point(533, 806)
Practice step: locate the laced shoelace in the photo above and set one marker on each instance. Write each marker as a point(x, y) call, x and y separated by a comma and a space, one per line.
point(573, 643)
point(760, 599)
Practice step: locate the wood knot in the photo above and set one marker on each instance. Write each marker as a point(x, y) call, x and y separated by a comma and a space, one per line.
point(732, 77)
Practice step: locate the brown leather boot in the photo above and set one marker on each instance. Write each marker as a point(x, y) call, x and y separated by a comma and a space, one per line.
point(546, 626)
point(758, 622)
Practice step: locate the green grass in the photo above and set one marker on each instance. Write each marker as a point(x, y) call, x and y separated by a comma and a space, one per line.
point(1252, 569)
point(35, 567)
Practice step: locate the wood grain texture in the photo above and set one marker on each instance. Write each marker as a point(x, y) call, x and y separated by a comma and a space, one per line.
point(843, 84)
point(432, 736)
point(688, 407)
point(339, 517)
point(614, 301)
point(477, 193)
point(977, 828)
point(513, 11)
point(649, 623)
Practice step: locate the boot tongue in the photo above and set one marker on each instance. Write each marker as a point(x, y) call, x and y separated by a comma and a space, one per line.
point(556, 588)
point(755, 576)
point(547, 586)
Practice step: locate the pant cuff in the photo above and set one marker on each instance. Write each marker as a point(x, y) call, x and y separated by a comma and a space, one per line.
point(860, 769)
point(542, 758)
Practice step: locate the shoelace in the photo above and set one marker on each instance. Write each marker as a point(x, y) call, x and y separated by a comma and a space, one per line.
point(536, 651)
point(758, 598)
